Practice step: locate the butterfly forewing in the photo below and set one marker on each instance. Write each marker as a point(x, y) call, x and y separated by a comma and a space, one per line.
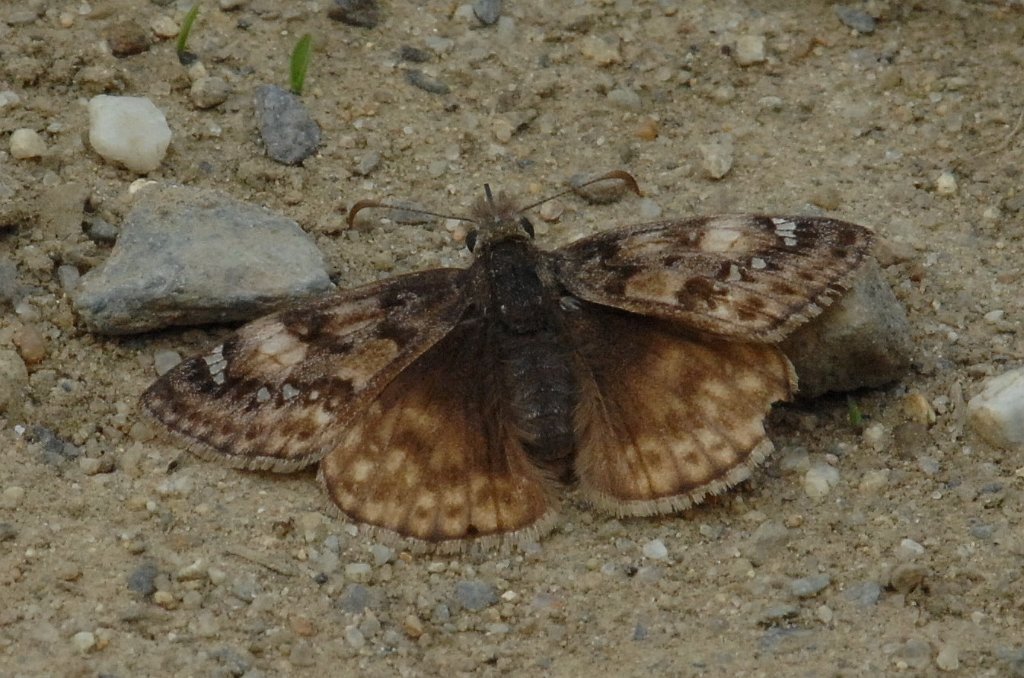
point(749, 277)
point(279, 393)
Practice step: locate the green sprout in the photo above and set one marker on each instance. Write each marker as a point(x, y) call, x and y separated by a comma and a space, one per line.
point(184, 56)
point(300, 63)
point(854, 414)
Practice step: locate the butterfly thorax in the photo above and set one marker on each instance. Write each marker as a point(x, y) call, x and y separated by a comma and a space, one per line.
point(534, 355)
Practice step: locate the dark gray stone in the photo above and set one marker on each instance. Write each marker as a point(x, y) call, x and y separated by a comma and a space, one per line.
point(487, 11)
point(865, 593)
point(861, 341)
point(188, 257)
point(475, 595)
point(288, 132)
point(425, 82)
point(856, 18)
point(360, 13)
point(143, 579)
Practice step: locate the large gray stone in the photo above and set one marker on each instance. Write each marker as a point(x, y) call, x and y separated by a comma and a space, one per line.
point(188, 257)
point(861, 341)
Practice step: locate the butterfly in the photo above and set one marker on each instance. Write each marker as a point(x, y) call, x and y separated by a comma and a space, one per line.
point(448, 406)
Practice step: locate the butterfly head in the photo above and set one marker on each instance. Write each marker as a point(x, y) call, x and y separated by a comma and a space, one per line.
point(496, 218)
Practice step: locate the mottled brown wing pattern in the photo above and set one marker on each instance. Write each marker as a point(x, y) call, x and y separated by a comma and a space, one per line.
point(434, 458)
point(279, 393)
point(747, 277)
point(666, 419)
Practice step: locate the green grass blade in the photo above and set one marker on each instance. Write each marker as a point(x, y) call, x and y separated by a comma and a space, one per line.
point(186, 29)
point(300, 63)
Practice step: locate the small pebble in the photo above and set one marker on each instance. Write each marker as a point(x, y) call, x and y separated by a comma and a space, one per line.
point(413, 54)
point(717, 156)
point(551, 211)
point(382, 555)
point(655, 550)
point(806, 587)
point(909, 549)
point(600, 51)
point(360, 13)
point(354, 637)
point(30, 343)
point(647, 129)
point(92, 466)
point(12, 497)
point(625, 99)
point(368, 163)
point(142, 579)
point(165, 360)
point(192, 572)
point(907, 577)
point(946, 184)
point(26, 143)
point(210, 91)
point(425, 82)
point(874, 480)
point(648, 209)
point(856, 18)
point(68, 277)
point(598, 193)
point(487, 11)
point(749, 50)
point(877, 437)
point(358, 572)
point(819, 480)
point(288, 131)
point(163, 27)
point(864, 593)
point(824, 614)
point(413, 626)
point(84, 641)
point(918, 410)
point(131, 131)
point(475, 595)
point(127, 38)
point(948, 658)
point(997, 412)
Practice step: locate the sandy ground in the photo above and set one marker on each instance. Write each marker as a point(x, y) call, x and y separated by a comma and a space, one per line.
point(149, 562)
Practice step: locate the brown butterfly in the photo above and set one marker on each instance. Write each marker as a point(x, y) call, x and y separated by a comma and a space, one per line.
point(448, 405)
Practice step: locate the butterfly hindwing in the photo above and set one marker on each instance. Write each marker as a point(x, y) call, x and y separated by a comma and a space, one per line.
point(666, 418)
point(434, 457)
point(279, 393)
point(749, 277)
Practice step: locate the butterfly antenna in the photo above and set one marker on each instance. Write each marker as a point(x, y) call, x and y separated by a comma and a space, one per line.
point(616, 175)
point(488, 194)
point(365, 204)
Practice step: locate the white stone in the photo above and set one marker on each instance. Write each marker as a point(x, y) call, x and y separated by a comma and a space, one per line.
point(9, 98)
point(26, 143)
point(84, 641)
point(749, 50)
point(909, 549)
point(819, 480)
point(128, 130)
point(717, 156)
point(655, 550)
point(946, 184)
point(997, 413)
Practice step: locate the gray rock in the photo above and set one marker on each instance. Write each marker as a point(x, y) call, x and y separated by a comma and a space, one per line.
point(187, 257)
point(288, 132)
point(475, 595)
point(806, 587)
point(487, 11)
point(360, 13)
point(863, 340)
point(13, 383)
point(143, 579)
point(865, 593)
point(425, 82)
point(358, 598)
point(856, 18)
point(769, 537)
point(54, 449)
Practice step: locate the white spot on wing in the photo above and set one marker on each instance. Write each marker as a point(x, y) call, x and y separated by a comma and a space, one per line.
point(758, 264)
point(717, 239)
point(263, 395)
point(289, 391)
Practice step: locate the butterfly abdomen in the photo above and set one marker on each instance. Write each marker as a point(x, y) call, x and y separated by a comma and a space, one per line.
point(538, 383)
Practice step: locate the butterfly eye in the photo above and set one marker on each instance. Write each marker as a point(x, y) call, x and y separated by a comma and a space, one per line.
point(526, 226)
point(471, 240)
